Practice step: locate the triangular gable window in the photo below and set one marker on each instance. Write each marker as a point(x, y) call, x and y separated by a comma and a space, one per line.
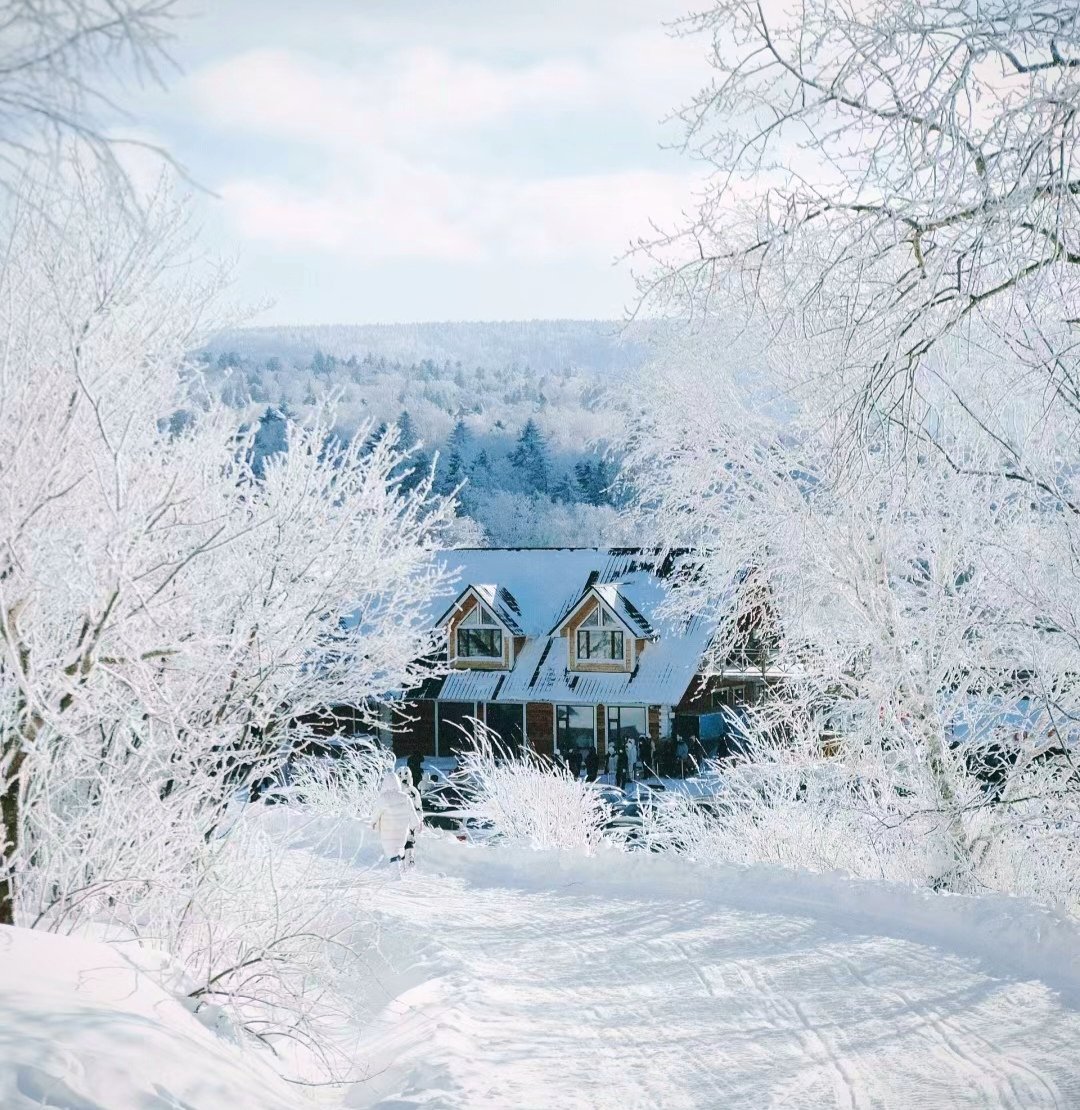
point(600, 618)
point(479, 636)
point(480, 616)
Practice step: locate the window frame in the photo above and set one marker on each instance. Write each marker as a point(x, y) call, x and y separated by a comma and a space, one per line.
point(588, 655)
point(559, 714)
point(479, 630)
point(614, 718)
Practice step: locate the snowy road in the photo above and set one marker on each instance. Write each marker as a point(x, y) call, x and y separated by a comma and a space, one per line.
point(556, 994)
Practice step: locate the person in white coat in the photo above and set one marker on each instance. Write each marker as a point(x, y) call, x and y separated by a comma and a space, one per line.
point(631, 757)
point(395, 819)
point(405, 778)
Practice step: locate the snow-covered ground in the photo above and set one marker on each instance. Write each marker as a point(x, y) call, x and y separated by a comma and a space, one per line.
point(503, 977)
point(540, 980)
point(84, 1026)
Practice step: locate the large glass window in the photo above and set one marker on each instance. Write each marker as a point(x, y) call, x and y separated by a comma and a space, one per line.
point(599, 637)
point(626, 722)
point(507, 721)
point(479, 643)
point(602, 646)
point(455, 726)
point(574, 727)
point(479, 636)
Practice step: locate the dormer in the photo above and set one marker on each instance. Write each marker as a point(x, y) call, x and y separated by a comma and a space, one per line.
point(603, 631)
point(481, 631)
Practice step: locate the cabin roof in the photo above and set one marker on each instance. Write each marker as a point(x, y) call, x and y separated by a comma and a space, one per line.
point(540, 588)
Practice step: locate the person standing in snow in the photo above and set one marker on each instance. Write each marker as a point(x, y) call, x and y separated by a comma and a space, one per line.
point(621, 768)
point(416, 768)
point(574, 763)
point(645, 755)
point(418, 805)
point(631, 758)
point(592, 765)
point(396, 819)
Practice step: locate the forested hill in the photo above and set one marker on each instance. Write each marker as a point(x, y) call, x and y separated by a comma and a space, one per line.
point(602, 346)
point(528, 414)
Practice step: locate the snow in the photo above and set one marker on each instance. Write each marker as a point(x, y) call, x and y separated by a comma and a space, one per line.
point(84, 1026)
point(506, 977)
point(546, 979)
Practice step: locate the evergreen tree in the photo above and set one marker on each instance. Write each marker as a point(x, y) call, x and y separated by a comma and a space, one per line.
point(583, 475)
point(459, 437)
point(407, 435)
point(564, 491)
point(414, 470)
point(530, 459)
point(452, 474)
point(270, 438)
point(594, 480)
point(482, 473)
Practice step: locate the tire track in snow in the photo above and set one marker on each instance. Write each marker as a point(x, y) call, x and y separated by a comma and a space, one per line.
point(563, 997)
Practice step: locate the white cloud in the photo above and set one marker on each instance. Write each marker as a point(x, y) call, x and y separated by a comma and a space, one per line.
point(408, 211)
point(514, 141)
point(416, 93)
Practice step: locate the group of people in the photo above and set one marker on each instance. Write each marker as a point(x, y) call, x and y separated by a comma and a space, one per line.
point(636, 758)
point(627, 760)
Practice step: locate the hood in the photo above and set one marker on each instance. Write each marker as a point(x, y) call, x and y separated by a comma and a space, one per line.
point(391, 784)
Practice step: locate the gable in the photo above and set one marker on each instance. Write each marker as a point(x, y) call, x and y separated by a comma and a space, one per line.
point(593, 607)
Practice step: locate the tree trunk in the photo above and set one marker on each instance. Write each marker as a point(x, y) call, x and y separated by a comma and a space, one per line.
point(9, 838)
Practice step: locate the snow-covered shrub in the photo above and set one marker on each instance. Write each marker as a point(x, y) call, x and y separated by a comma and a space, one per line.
point(342, 786)
point(276, 939)
point(528, 800)
point(869, 811)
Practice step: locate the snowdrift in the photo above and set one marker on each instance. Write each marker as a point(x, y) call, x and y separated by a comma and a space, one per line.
point(85, 1027)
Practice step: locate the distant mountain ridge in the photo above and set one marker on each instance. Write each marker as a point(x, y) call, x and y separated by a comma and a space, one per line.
point(603, 347)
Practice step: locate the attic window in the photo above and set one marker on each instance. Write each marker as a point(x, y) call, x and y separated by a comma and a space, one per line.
point(600, 638)
point(479, 635)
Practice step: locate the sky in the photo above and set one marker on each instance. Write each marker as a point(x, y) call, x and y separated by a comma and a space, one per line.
point(385, 161)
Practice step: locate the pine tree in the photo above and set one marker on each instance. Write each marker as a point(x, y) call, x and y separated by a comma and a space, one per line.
point(530, 459)
point(564, 491)
point(452, 474)
point(482, 473)
point(406, 433)
point(583, 475)
point(459, 437)
point(594, 480)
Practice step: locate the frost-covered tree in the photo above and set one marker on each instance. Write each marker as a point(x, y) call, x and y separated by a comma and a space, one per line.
point(168, 614)
point(530, 459)
point(872, 427)
point(58, 62)
point(925, 624)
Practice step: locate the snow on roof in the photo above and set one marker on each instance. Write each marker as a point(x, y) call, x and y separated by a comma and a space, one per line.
point(546, 585)
point(497, 598)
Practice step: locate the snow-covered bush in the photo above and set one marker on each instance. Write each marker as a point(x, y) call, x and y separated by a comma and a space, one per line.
point(528, 800)
point(344, 785)
point(788, 804)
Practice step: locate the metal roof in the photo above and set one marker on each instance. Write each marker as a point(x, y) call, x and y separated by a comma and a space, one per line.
point(544, 586)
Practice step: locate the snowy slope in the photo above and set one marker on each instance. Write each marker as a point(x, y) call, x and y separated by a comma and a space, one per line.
point(539, 980)
point(82, 1028)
